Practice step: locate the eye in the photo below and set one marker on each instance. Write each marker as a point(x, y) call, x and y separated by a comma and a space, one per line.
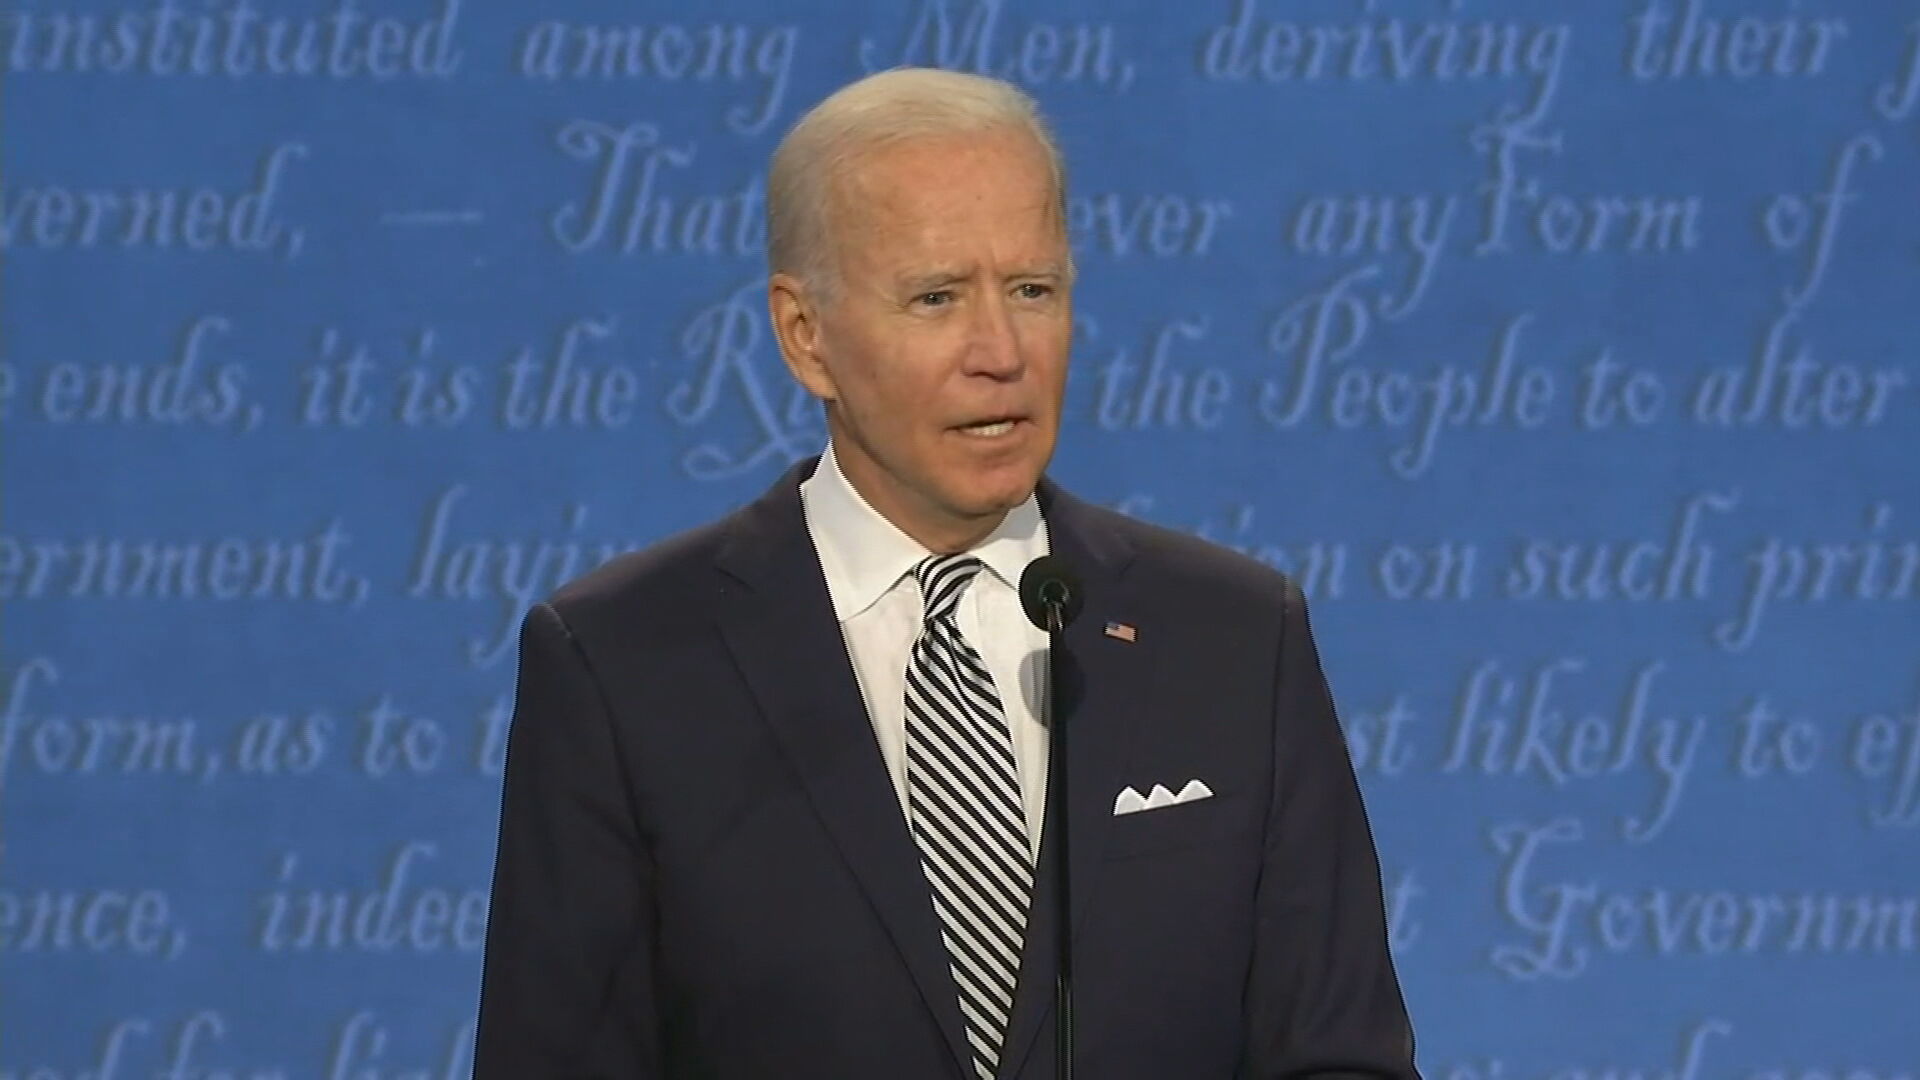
point(1034, 290)
point(937, 298)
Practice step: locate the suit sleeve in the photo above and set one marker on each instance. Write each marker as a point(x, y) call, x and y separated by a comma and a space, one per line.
point(1322, 1000)
point(567, 980)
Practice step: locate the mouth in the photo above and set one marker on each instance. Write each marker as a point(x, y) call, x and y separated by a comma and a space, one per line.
point(995, 428)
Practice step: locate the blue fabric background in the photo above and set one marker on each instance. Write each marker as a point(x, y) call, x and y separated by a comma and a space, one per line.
point(1565, 351)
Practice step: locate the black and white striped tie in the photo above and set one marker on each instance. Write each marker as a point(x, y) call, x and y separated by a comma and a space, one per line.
point(963, 803)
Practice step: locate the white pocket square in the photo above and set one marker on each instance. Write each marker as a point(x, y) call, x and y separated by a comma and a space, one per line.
point(1132, 802)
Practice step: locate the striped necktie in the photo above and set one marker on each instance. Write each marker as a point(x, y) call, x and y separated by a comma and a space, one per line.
point(963, 803)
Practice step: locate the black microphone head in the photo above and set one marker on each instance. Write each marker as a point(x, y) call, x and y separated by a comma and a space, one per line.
point(1048, 581)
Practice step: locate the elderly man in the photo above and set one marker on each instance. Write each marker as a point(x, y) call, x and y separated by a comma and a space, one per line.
point(775, 788)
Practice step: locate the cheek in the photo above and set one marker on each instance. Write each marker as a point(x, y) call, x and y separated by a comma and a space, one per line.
point(856, 361)
point(1051, 362)
point(893, 398)
point(908, 375)
point(1049, 337)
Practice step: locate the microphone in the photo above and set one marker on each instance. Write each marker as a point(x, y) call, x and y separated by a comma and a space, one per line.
point(1048, 586)
point(1052, 597)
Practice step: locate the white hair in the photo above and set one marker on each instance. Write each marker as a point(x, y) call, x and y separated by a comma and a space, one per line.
point(885, 107)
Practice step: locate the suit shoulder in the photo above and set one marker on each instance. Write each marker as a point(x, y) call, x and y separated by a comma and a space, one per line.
point(664, 578)
point(1199, 566)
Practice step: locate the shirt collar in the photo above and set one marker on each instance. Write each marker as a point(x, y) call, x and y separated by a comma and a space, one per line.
point(863, 554)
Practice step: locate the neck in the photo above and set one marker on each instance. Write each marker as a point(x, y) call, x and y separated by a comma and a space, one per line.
point(952, 540)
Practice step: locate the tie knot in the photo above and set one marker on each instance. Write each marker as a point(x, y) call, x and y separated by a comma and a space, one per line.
point(942, 578)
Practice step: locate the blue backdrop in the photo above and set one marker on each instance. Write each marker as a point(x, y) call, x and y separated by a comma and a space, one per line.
point(1566, 352)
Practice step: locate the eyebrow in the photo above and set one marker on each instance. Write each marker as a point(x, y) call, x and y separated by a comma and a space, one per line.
point(946, 275)
point(922, 280)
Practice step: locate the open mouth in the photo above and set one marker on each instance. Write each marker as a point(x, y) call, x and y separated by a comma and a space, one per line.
point(989, 429)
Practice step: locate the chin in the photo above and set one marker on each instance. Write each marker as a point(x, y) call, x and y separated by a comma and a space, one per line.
point(976, 486)
point(999, 494)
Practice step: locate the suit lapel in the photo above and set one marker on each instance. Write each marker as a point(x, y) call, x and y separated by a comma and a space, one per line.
point(788, 645)
point(1104, 683)
point(782, 632)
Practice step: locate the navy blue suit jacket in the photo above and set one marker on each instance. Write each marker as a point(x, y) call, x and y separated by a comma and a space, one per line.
point(703, 870)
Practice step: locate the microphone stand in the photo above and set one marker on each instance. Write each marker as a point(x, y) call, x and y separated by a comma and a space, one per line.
point(1057, 825)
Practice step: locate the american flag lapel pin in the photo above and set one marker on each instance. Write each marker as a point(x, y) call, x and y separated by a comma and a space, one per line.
point(1123, 631)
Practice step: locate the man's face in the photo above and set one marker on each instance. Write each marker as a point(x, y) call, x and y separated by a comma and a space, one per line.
point(943, 350)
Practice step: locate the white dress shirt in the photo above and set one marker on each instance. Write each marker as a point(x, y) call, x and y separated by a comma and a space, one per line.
point(868, 564)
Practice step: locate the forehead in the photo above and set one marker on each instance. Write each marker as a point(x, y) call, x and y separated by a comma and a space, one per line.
point(896, 201)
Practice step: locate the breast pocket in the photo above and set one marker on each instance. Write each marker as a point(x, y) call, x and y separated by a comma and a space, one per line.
point(1214, 820)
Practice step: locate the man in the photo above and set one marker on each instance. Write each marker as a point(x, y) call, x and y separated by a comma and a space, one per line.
point(775, 788)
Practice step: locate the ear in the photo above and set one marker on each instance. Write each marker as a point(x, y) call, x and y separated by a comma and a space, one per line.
point(796, 326)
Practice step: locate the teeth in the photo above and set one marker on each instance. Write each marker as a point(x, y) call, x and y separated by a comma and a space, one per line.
point(999, 428)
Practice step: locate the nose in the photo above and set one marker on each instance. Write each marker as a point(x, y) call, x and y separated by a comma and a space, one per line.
point(995, 348)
